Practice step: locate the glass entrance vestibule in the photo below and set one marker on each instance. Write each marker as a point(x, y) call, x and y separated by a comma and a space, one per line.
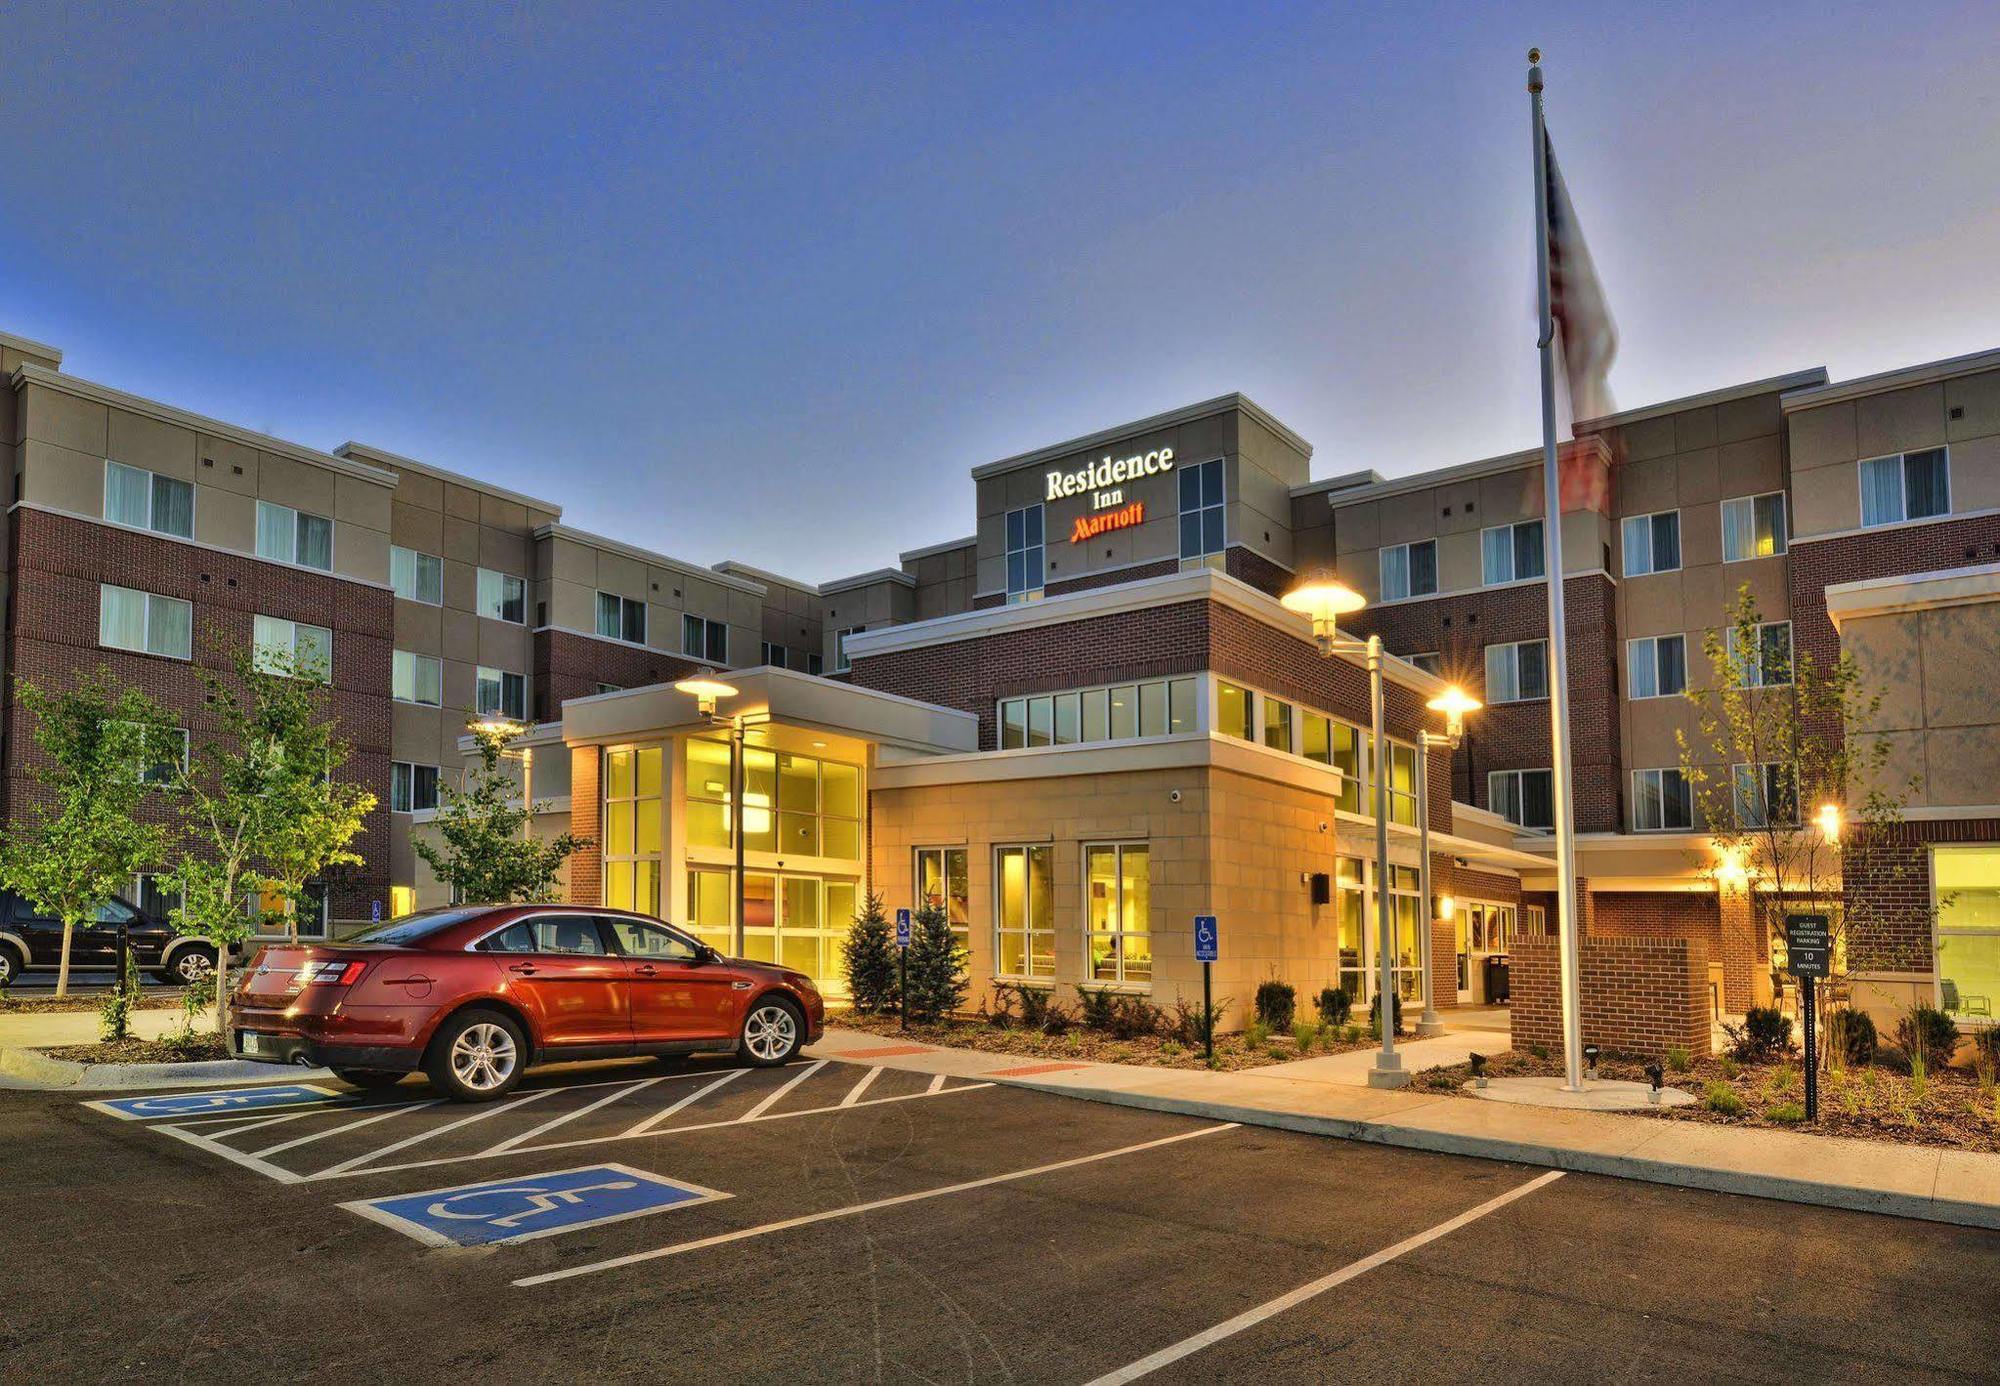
point(1359, 930)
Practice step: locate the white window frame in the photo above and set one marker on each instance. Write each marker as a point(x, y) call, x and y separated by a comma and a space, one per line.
point(626, 605)
point(291, 556)
point(1429, 661)
point(416, 662)
point(146, 642)
point(1651, 645)
point(410, 804)
point(1518, 780)
point(1030, 927)
point(1627, 547)
point(841, 663)
point(1781, 534)
point(1037, 551)
point(1195, 685)
point(1121, 933)
point(1486, 574)
point(1407, 550)
point(1939, 935)
point(289, 644)
point(1902, 515)
point(491, 598)
point(150, 524)
point(485, 674)
point(417, 558)
point(1514, 648)
point(1660, 773)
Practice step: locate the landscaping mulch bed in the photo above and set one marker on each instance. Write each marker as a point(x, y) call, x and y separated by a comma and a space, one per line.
point(1080, 1045)
point(1872, 1103)
point(191, 1049)
point(39, 1003)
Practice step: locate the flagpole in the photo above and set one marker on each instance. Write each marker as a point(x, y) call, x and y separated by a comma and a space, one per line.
point(1559, 770)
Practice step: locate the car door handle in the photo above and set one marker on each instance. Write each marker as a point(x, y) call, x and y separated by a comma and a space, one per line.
point(408, 981)
point(524, 968)
point(645, 970)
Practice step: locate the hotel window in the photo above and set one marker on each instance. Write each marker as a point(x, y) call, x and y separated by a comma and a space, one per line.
point(1409, 570)
point(1509, 553)
point(1025, 555)
point(840, 662)
point(1232, 711)
point(1024, 916)
point(293, 536)
point(1350, 746)
point(710, 904)
point(610, 688)
point(402, 901)
point(416, 678)
point(1159, 707)
point(1656, 666)
point(705, 639)
point(1524, 797)
point(621, 618)
point(773, 655)
point(942, 879)
point(1118, 898)
point(634, 836)
point(814, 664)
point(1652, 543)
point(1763, 795)
point(163, 754)
point(1429, 663)
point(1277, 724)
point(1201, 514)
point(1753, 527)
point(1763, 657)
point(292, 648)
point(1517, 673)
point(819, 808)
point(817, 803)
point(1661, 801)
point(502, 597)
point(139, 621)
point(1965, 885)
point(1402, 785)
point(1908, 486)
point(417, 577)
point(147, 500)
point(497, 693)
point(412, 787)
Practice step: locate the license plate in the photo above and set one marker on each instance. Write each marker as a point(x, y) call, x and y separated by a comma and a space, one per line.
point(253, 1044)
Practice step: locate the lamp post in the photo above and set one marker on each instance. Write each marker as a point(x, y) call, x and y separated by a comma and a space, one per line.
point(1324, 602)
point(707, 690)
point(1454, 703)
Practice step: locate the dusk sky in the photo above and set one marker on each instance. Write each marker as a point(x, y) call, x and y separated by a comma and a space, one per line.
point(759, 283)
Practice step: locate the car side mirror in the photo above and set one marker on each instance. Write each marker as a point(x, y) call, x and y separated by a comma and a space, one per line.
point(705, 954)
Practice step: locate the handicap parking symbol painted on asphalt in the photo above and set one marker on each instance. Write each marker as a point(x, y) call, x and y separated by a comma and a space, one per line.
point(529, 1206)
point(214, 1102)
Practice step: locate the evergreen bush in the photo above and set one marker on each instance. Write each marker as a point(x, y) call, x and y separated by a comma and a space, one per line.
point(935, 986)
point(1927, 1036)
point(1852, 1035)
point(1277, 1002)
point(869, 953)
point(1335, 1005)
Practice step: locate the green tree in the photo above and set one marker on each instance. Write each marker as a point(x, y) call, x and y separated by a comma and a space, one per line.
point(936, 983)
point(1780, 734)
point(81, 841)
point(260, 808)
point(484, 852)
point(869, 952)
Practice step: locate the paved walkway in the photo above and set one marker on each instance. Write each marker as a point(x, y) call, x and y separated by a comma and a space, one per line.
point(1907, 1181)
point(40, 1029)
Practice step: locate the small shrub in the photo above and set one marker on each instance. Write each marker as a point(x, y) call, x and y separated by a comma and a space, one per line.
point(1539, 1051)
point(1787, 1113)
point(1679, 1060)
point(1186, 1024)
point(1730, 1068)
point(868, 955)
point(1057, 1019)
point(1986, 1057)
point(1784, 1080)
point(1277, 1003)
point(1171, 1049)
point(1395, 1012)
point(1095, 1007)
point(1351, 1033)
point(1927, 1037)
point(1335, 1005)
point(1851, 1036)
point(1255, 1033)
point(1304, 1033)
point(114, 1012)
point(1000, 1015)
point(1765, 1033)
point(1034, 1006)
point(1134, 1017)
point(1720, 1097)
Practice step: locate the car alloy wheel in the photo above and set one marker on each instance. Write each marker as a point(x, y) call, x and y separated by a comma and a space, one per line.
point(193, 965)
point(483, 1057)
point(771, 1033)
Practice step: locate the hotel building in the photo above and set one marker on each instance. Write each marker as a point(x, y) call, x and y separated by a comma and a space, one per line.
point(1091, 719)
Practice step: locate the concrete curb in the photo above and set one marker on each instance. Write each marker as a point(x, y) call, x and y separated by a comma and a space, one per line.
point(32, 1071)
point(1784, 1188)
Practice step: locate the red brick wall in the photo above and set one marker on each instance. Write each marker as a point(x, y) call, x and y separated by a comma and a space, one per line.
point(569, 664)
point(1657, 914)
point(52, 637)
point(1444, 964)
point(1639, 996)
point(1260, 572)
point(1112, 578)
point(586, 867)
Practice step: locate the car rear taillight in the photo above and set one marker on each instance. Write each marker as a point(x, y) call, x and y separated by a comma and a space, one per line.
point(333, 972)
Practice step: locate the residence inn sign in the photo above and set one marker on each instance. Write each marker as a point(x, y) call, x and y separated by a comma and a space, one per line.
point(1105, 481)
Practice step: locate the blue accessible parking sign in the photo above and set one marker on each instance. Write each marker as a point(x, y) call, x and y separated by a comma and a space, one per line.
point(1206, 938)
point(529, 1206)
point(212, 1103)
point(902, 928)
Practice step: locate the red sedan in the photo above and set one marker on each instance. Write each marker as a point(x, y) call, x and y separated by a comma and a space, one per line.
point(475, 994)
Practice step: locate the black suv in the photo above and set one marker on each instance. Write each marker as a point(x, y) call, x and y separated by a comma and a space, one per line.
point(29, 938)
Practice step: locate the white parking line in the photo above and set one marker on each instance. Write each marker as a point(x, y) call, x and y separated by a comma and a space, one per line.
point(496, 1110)
point(937, 1084)
point(774, 1098)
point(656, 1118)
point(1250, 1318)
point(854, 1209)
point(854, 1093)
point(349, 1126)
point(586, 1110)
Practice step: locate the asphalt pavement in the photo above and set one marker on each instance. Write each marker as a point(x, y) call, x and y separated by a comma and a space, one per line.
point(845, 1222)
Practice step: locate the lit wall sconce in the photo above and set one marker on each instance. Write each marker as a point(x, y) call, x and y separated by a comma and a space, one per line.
point(1447, 907)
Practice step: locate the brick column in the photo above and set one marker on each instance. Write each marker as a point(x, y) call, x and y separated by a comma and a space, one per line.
point(1744, 954)
point(586, 809)
point(1444, 964)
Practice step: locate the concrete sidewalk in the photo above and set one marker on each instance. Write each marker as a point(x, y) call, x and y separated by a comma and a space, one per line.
point(1906, 1181)
point(42, 1029)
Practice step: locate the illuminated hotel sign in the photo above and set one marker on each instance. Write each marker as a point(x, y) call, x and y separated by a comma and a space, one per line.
point(1104, 480)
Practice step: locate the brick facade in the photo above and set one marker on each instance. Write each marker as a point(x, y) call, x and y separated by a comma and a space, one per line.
point(1638, 996)
point(586, 810)
point(52, 636)
point(1260, 572)
point(572, 665)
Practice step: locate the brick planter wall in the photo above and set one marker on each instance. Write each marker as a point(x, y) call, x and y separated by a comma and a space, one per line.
point(1640, 996)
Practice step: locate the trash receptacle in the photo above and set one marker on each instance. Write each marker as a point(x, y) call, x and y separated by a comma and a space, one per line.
point(1496, 980)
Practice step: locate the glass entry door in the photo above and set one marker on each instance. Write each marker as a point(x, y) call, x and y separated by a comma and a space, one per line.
point(798, 922)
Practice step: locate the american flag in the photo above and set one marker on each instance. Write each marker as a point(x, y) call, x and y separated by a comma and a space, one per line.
point(1586, 340)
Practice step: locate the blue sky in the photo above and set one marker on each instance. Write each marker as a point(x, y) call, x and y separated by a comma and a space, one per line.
point(763, 283)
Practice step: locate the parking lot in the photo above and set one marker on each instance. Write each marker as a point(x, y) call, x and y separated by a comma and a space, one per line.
point(848, 1221)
